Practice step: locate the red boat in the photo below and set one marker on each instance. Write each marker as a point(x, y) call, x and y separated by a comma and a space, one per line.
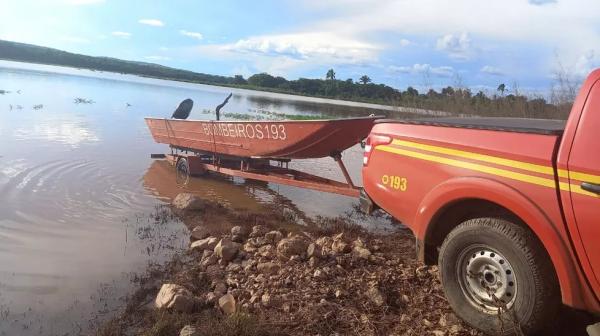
point(287, 139)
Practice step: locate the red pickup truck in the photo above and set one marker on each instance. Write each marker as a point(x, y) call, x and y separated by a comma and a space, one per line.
point(508, 208)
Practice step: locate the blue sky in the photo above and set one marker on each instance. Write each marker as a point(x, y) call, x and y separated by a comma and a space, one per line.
point(423, 43)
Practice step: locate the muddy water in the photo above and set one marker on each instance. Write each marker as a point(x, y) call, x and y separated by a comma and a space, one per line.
point(79, 194)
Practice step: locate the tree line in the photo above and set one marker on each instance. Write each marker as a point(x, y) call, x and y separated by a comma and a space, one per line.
point(450, 99)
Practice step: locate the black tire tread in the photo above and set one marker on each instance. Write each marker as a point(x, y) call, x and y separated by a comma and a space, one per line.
point(544, 276)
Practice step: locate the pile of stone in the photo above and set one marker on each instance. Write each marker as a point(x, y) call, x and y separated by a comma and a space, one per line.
point(298, 276)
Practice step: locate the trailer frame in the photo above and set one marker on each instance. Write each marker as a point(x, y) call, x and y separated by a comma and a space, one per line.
point(194, 163)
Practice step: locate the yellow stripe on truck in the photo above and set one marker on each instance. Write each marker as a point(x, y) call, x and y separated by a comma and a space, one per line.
point(541, 181)
point(479, 157)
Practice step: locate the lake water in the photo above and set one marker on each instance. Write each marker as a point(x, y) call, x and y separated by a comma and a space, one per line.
point(79, 192)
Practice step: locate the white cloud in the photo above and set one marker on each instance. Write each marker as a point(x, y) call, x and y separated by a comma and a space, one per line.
point(541, 2)
point(121, 34)
point(157, 58)
point(423, 69)
point(404, 42)
point(495, 23)
point(195, 35)
point(304, 46)
point(83, 2)
point(587, 62)
point(152, 22)
point(456, 46)
point(75, 39)
point(492, 70)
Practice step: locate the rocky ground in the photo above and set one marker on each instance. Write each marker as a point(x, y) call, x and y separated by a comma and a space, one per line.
point(260, 275)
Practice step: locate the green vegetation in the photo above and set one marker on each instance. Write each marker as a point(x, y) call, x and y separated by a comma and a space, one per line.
point(460, 101)
point(262, 114)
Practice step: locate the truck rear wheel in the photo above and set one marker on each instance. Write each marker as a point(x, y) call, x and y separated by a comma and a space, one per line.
point(498, 277)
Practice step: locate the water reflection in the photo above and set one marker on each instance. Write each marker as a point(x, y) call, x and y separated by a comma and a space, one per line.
point(70, 134)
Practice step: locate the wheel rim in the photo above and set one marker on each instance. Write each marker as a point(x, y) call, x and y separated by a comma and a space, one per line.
point(486, 278)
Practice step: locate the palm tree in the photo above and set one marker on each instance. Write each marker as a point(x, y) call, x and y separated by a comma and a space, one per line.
point(365, 79)
point(330, 74)
point(501, 88)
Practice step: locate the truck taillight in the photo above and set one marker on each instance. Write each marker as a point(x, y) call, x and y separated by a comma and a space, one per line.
point(373, 141)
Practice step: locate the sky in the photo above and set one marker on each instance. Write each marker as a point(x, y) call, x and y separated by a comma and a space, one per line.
point(420, 43)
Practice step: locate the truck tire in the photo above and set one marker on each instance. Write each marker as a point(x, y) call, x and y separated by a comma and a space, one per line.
point(490, 255)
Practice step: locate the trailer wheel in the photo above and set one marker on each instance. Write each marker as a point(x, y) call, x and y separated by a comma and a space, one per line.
point(498, 277)
point(182, 171)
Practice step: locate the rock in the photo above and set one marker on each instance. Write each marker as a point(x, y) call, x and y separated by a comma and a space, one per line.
point(258, 231)
point(268, 268)
point(209, 261)
point(249, 247)
point(361, 252)
point(455, 329)
point(187, 201)
point(206, 254)
point(359, 243)
point(266, 251)
point(214, 272)
point(248, 264)
point(273, 237)
point(257, 241)
point(313, 250)
point(313, 262)
point(211, 298)
point(289, 247)
point(239, 233)
point(427, 323)
point(199, 232)
point(318, 274)
point(439, 333)
point(175, 297)
point(204, 244)
point(266, 299)
point(421, 271)
point(405, 318)
point(189, 330)
point(226, 249)
point(227, 304)
point(240, 294)
point(338, 294)
point(324, 241)
point(255, 298)
point(375, 296)
point(340, 246)
point(233, 268)
point(220, 288)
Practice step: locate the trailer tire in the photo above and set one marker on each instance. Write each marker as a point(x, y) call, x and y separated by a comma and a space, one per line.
point(182, 171)
point(491, 255)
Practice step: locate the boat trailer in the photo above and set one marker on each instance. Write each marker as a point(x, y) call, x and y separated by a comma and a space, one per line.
point(192, 163)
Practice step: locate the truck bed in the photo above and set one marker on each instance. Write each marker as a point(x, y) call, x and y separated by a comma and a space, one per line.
point(519, 125)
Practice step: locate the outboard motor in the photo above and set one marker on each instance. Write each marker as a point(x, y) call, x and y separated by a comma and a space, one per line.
point(183, 110)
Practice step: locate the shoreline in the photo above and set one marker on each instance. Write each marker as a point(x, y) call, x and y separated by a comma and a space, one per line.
point(325, 277)
point(278, 94)
point(268, 275)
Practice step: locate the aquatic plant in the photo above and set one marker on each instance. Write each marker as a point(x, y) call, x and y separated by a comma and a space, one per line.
point(79, 100)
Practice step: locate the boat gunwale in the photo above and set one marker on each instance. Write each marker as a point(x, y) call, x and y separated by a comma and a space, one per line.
point(269, 121)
